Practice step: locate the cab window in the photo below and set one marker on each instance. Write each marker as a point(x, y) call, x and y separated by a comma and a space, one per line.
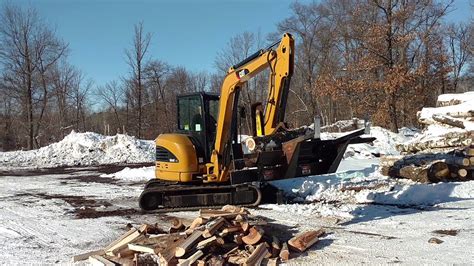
point(190, 114)
point(214, 110)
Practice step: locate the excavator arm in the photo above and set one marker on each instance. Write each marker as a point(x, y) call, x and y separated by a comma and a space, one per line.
point(280, 61)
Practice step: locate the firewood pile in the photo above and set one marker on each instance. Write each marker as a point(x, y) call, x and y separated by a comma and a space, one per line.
point(450, 125)
point(457, 165)
point(217, 237)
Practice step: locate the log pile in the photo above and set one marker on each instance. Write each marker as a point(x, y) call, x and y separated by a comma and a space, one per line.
point(217, 237)
point(457, 165)
point(449, 125)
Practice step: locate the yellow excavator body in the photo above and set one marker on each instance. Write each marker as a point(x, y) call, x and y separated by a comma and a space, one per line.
point(178, 158)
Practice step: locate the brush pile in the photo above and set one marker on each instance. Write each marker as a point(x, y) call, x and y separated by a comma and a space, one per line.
point(217, 237)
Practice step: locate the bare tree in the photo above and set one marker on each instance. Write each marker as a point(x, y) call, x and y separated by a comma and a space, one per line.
point(137, 62)
point(458, 40)
point(28, 50)
point(112, 94)
point(156, 73)
point(237, 49)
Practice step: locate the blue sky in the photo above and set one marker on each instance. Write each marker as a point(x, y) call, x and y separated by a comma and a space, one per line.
point(186, 33)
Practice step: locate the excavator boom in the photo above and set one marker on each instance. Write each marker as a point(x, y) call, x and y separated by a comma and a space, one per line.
point(280, 61)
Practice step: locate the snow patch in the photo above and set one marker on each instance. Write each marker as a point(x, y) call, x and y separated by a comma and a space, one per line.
point(134, 174)
point(419, 194)
point(79, 149)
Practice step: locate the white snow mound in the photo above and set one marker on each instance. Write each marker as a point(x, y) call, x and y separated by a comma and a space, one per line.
point(134, 174)
point(79, 149)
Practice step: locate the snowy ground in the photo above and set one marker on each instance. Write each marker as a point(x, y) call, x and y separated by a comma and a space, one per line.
point(50, 214)
point(47, 218)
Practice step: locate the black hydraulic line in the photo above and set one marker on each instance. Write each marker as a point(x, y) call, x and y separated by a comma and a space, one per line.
point(248, 59)
point(254, 55)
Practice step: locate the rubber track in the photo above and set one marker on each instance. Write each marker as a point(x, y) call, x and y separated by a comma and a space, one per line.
point(170, 186)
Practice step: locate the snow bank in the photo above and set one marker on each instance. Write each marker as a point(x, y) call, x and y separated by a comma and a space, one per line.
point(134, 174)
point(370, 186)
point(83, 149)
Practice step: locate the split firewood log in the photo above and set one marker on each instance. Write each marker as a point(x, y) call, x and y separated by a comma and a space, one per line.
point(303, 241)
point(121, 242)
point(126, 253)
point(234, 209)
point(99, 260)
point(206, 242)
point(176, 225)
point(86, 256)
point(254, 235)
point(245, 226)
point(211, 213)
point(257, 255)
point(231, 229)
point(198, 222)
point(167, 256)
point(141, 248)
point(237, 259)
point(213, 226)
point(128, 261)
point(284, 252)
point(270, 262)
point(276, 247)
point(188, 243)
point(189, 261)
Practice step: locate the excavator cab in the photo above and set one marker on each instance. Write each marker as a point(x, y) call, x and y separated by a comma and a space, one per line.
point(182, 156)
point(197, 113)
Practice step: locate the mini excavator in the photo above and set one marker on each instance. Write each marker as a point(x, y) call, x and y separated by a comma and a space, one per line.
point(204, 163)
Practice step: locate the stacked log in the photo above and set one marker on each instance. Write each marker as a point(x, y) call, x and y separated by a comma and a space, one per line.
point(217, 237)
point(457, 165)
point(448, 126)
